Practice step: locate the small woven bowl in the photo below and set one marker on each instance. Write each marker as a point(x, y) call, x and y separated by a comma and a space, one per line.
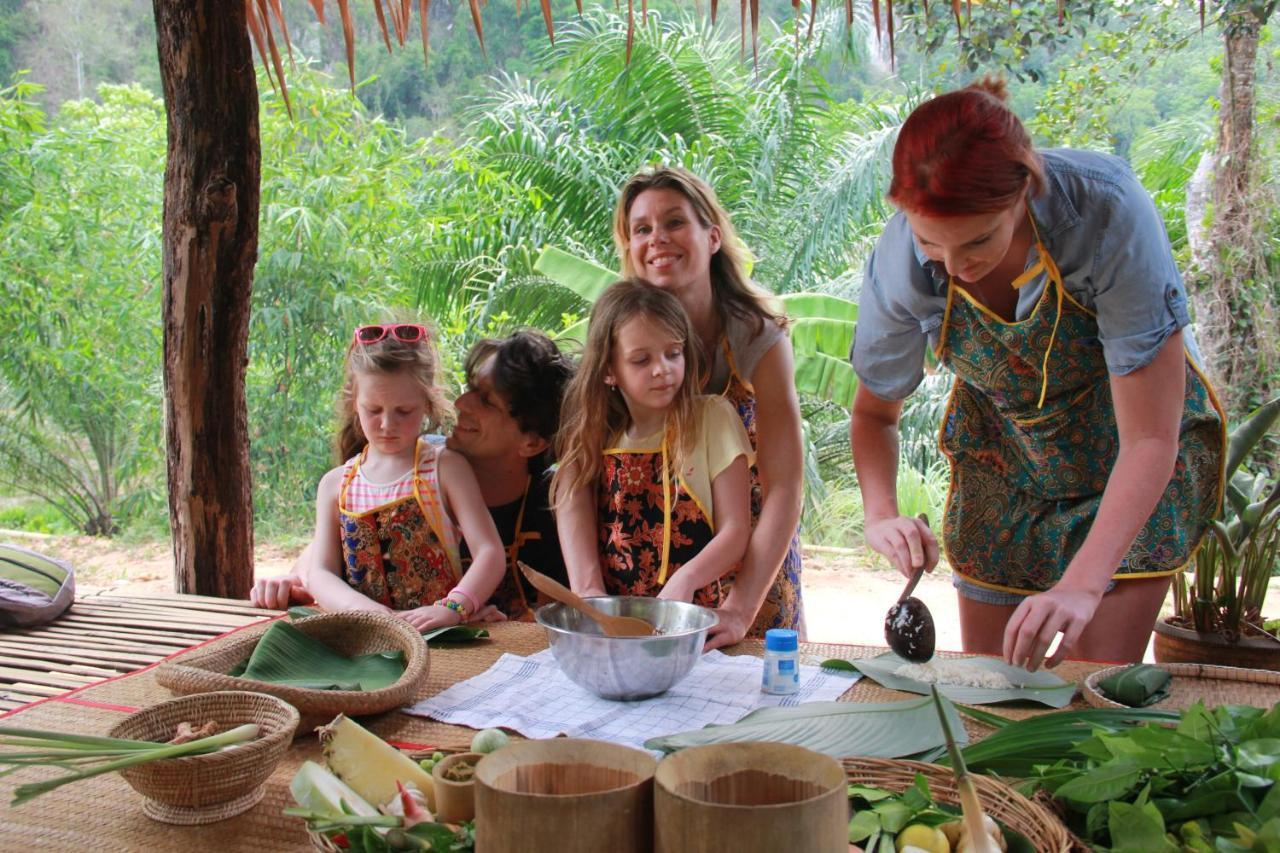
point(1041, 827)
point(200, 789)
point(350, 633)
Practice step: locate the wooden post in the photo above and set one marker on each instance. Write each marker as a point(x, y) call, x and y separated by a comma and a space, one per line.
point(211, 191)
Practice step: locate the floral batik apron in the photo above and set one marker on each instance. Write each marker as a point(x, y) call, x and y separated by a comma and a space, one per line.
point(403, 554)
point(782, 607)
point(650, 525)
point(1030, 432)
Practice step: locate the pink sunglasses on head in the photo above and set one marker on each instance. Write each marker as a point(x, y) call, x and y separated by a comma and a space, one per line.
point(405, 333)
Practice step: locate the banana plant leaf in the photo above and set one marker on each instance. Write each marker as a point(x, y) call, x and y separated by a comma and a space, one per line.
point(1041, 687)
point(585, 278)
point(826, 377)
point(801, 306)
point(450, 634)
point(287, 656)
point(840, 729)
point(829, 337)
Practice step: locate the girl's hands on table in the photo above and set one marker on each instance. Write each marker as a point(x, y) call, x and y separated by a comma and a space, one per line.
point(907, 543)
point(431, 616)
point(1039, 618)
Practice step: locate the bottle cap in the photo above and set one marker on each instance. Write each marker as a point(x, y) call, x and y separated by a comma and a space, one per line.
point(781, 640)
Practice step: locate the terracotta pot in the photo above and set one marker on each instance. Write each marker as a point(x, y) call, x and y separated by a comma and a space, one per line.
point(1183, 645)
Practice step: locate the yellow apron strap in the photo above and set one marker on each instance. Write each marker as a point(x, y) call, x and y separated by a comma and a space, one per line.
point(1046, 265)
point(666, 515)
point(513, 550)
point(434, 511)
point(349, 476)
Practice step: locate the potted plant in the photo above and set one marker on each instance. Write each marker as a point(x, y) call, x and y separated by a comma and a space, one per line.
point(1217, 605)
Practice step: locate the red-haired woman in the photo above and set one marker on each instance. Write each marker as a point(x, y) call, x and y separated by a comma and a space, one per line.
point(1086, 448)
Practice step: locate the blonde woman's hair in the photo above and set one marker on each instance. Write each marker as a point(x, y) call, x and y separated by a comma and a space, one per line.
point(387, 356)
point(593, 413)
point(734, 293)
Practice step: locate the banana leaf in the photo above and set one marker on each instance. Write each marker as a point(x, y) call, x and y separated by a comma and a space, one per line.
point(826, 377)
point(449, 634)
point(840, 729)
point(583, 277)
point(1042, 687)
point(820, 305)
point(829, 337)
point(287, 656)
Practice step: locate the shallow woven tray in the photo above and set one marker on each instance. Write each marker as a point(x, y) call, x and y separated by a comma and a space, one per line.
point(201, 789)
point(1199, 682)
point(349, 633)
point(1041, 827)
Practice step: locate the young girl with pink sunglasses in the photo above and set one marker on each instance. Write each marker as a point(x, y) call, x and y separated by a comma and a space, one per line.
point(390, 519)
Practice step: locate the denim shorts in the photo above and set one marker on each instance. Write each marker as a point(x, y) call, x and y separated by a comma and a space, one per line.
point(998, 597)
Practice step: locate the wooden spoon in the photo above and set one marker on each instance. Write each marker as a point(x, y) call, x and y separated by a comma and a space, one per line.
point(613, 626)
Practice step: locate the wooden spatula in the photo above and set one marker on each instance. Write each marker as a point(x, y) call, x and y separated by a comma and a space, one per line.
point(613, 626)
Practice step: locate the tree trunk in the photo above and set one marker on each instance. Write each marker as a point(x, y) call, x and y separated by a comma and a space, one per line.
point(1235, 323)
point(211, 190)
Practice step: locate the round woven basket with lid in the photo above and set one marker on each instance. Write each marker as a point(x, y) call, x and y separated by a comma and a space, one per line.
point(200, 789)
point(1041, 827)
point(350, 633)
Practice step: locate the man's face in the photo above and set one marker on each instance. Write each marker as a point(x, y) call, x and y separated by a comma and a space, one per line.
point(484, 428)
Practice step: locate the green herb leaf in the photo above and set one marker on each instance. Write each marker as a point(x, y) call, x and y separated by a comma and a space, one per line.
point(1107, 782)
point(864, 824)
point(1137, 829)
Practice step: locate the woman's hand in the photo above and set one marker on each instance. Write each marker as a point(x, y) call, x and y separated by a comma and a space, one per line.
point(907, 543)
point(673, 590)
point(432, 616)
point(1039, 618)
point(488, 613)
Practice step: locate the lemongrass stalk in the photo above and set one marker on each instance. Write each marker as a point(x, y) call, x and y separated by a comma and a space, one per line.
point(239, 734)
point(10, 735)
point(970, 804)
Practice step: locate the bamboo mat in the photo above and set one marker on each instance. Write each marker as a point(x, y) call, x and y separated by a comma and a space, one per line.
point(61, 820)
point(103, 635)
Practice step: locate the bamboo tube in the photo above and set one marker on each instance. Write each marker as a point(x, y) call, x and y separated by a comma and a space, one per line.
point(751, 798)
point(565, 796)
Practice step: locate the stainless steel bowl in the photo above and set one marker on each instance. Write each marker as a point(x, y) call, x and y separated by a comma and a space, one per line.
point(627, 668)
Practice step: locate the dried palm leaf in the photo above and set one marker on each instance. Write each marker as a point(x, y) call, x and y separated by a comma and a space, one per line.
point(424, 7)
point(475, 20)
point(349, 36)
point(382, 24)
point(546, 17)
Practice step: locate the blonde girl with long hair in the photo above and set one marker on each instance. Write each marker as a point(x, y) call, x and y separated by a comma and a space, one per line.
point(390, 519)
point(653, 487)
point(671, 230)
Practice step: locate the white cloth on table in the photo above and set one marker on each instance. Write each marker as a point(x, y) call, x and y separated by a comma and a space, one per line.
point(533, 697)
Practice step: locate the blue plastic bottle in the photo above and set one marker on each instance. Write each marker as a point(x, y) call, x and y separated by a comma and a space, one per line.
point(781, 661)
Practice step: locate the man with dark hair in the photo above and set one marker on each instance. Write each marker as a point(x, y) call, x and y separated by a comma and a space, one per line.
point(507, 420)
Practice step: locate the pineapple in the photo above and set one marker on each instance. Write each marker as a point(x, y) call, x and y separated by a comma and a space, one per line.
point(369, 764)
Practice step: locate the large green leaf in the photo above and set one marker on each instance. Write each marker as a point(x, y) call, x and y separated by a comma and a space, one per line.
point(800, 306)
point(829, 337)
point(826, 377)
point(288, 656)
point(583, 277)
point(840, 729)
point(1042, 687)
point(1249, 433)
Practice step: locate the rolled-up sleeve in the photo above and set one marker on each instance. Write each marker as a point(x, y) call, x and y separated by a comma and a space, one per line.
point(1138, 292)
point(888, 344)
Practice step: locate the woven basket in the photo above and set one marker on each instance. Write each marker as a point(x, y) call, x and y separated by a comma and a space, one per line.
point(1199, 682)
point(349, 633)
point(1041, 827)
point(206, 788)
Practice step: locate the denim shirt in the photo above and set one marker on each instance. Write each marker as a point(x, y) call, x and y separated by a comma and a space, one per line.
point(1100, 227)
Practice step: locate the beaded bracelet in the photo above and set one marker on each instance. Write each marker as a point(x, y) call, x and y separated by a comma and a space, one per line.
point(471, 602)
point(456, 606)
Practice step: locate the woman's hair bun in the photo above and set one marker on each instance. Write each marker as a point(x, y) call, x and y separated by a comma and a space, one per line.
point(993, 86)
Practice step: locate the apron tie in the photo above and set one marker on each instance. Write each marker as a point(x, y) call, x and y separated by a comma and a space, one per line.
point(1047, 266)
point(666, 515)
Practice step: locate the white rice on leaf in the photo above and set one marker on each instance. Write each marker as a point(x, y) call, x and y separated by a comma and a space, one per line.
point(953, 672)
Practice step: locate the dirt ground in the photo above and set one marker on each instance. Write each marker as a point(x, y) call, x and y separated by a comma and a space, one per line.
point(846, 593)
